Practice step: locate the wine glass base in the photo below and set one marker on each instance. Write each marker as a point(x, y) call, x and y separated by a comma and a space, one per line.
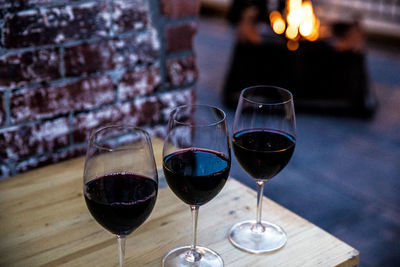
point(247, 237)
point(178, 257)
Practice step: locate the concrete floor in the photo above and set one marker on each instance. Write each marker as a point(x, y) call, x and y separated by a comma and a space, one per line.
point(345, 172)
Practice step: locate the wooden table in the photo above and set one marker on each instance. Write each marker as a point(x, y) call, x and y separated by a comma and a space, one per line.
point(44, 222)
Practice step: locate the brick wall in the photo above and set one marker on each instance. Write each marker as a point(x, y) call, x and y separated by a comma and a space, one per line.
point(68, 67)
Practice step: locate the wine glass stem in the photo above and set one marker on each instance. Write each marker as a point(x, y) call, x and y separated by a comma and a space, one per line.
point(195, 213)
point(192, 255)
point(258, 227)
point(121, 249)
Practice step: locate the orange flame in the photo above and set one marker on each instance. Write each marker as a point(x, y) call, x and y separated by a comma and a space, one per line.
point(277, 22)
point(300, 21)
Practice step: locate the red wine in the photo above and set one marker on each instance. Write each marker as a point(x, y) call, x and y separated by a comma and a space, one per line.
point(263, 153)
point(196, 175)
point(121, 202)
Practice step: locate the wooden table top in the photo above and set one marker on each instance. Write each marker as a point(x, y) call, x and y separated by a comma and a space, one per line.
point(44, 222)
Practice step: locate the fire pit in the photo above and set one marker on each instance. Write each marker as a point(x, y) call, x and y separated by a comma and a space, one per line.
point(322, 64)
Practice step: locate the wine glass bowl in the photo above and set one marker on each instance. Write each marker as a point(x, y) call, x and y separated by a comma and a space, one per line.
point(264, 138)
point(196, 165)
point(120, 180)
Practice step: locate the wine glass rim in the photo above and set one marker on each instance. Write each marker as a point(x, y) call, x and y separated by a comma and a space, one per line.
point(267, 86)
point(101, 147)
point(198, 125)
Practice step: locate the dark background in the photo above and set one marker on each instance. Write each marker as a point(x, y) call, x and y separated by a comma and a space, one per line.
point(345, 173)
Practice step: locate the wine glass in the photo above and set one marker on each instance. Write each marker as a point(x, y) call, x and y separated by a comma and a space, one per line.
point(196, 164)
point(120, 180)
point(264, 137)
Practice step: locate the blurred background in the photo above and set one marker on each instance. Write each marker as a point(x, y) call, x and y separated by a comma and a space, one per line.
point(345, 172)
point(68, 67)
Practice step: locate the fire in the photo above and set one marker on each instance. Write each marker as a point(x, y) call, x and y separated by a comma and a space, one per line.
point(291, 32)
point(278, 24)
point(300, 22)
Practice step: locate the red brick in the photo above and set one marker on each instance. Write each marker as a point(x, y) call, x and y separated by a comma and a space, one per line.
point(181, 71)
point(50, 158)
point(169, 100)
point(51, 101)
point(30, 140)
point(180, 8)
point(140, 48)
point(130, 15)
point(139, 82)
point(64, 154)
point(147, 111)
point(55, 25)
point(180, 37)
point(85, 123)
point(32, 66)
point(89, 58)
point(109, 54)
point(24, 4)
point(140, 112)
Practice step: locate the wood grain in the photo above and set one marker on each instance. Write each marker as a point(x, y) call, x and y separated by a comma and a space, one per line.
point(44, 222)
